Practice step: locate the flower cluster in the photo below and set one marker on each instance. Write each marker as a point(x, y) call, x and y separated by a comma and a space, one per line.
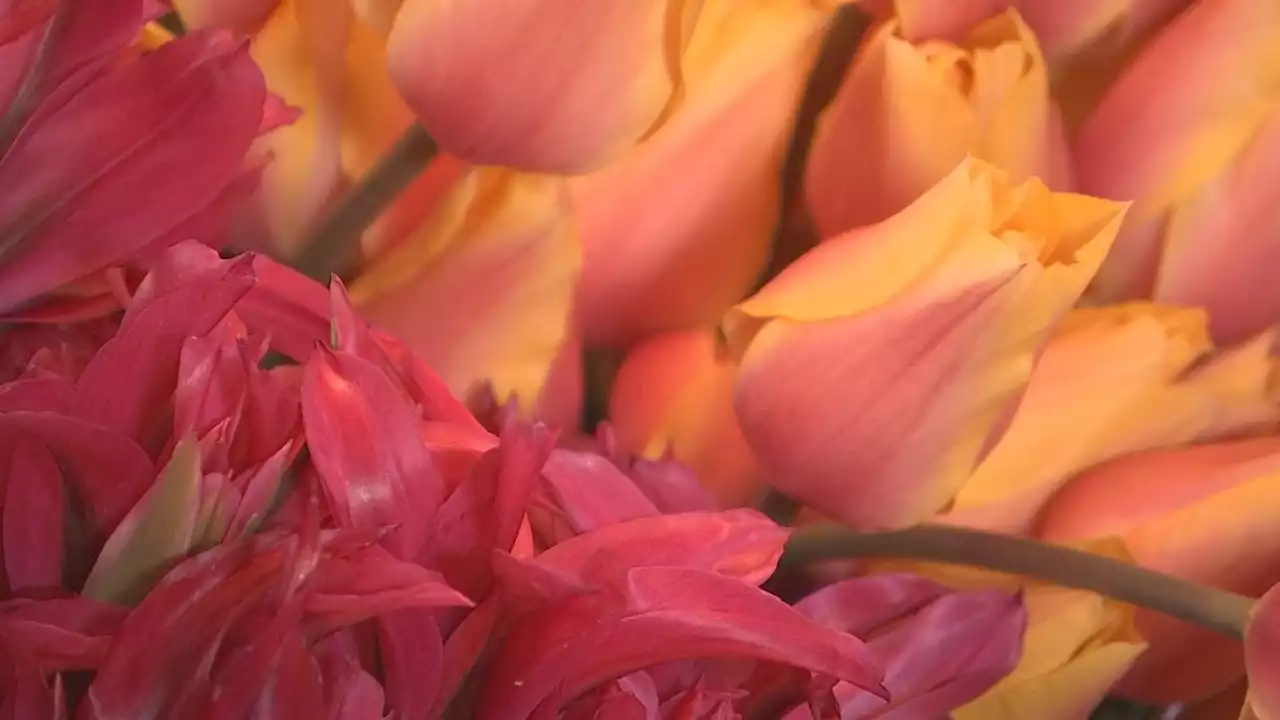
point(645, 297)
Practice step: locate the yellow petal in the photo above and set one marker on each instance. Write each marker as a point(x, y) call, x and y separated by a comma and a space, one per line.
point(483, 290)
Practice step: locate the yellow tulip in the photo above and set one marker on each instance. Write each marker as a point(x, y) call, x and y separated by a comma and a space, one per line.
point(878, 368)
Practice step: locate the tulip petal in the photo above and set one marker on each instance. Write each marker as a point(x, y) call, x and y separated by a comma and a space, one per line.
point(673, 397)
point(588, 492)
point(488, 82)
point(669, 614)
point(33, 522)
point(61, 634)
point(1159, 147)
point(646, 271)
point(413, 656)
point(1076, 646)
point(489, 281)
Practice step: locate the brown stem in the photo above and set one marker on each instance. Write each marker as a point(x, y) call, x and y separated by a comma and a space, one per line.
point(330, 244)
point(1220, 611)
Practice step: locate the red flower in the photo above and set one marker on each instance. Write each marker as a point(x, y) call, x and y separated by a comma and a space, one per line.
point(111, 154)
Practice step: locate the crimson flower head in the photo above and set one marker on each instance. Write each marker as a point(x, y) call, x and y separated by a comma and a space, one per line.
point(112, 151)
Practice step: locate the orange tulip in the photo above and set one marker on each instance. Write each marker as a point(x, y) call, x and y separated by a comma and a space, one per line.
point(540, 85)
point(908, 113)
point(1204, 513)
point(674, 395)
point(676, 231)
point(1112, 381)
point(1191, 132)
point(483, 290)
point(876, 369)
point(327, 59)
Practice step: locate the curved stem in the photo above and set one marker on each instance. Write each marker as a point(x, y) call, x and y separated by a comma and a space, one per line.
point(331, 242)
point(1220, 611)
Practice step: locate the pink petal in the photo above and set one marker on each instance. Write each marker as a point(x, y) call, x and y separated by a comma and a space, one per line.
point(412, 654)
point(354, 693)
point(109, 471)
point(740, 544)
point(43, 391)
point(364, 443)
point(174, 124)
point(463, 649)
point(61, 634)
point(862, 605)
point(33, 517)
point(128, 383)
point(288, 305)
point(939, 656)
point(345, 591)
point(486, 511)
point(588, 492)
point(260, 487)
point(672, 486)
point(663, 614)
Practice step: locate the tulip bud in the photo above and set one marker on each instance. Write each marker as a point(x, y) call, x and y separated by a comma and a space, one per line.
point(1198, 155)
point(876, 370)
point(1203, 513)
point(541, 85)
point(909, 112)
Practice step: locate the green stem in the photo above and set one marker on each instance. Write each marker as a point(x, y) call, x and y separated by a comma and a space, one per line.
point(330, 245)
point(1223, 612)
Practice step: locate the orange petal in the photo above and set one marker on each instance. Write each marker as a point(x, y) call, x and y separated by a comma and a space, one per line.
point(1077, 644)
point(875, 368)
point(909, 113)
point(673, 394)
point(1220, 244)
point(1111, 381)
point(1204, 513)
point(675, 232)
point(542, 85)
point(482, 291)
point(241, 15)
point(1170, 123)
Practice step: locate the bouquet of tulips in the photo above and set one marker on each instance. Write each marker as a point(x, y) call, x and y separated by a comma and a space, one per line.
point(653, 359)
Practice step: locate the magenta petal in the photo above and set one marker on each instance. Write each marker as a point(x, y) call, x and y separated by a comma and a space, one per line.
point(412, 655)
point(155, 138)
point(60, 634)
point(127, 385)
point(590, 492)
point(291, 307)
point(741, 544)
point(672, 486)
point(486, 510)
point(660, 615)
point(109, 471)
point(364, 442)
point(33, 518)
point(39, 391)
point(347, 590)
point(354, 693)
point(862, 605)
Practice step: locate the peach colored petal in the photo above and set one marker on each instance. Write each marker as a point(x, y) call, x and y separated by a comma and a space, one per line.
point(1220, 244)
point(1158, 142)
point(1077, 644)
point(674, 395)
point(1101, 366)
point(542, 85)
point(943, 19)
point(676, 231)
point(242, 15)
point(1202, 513)
point(483, 290)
